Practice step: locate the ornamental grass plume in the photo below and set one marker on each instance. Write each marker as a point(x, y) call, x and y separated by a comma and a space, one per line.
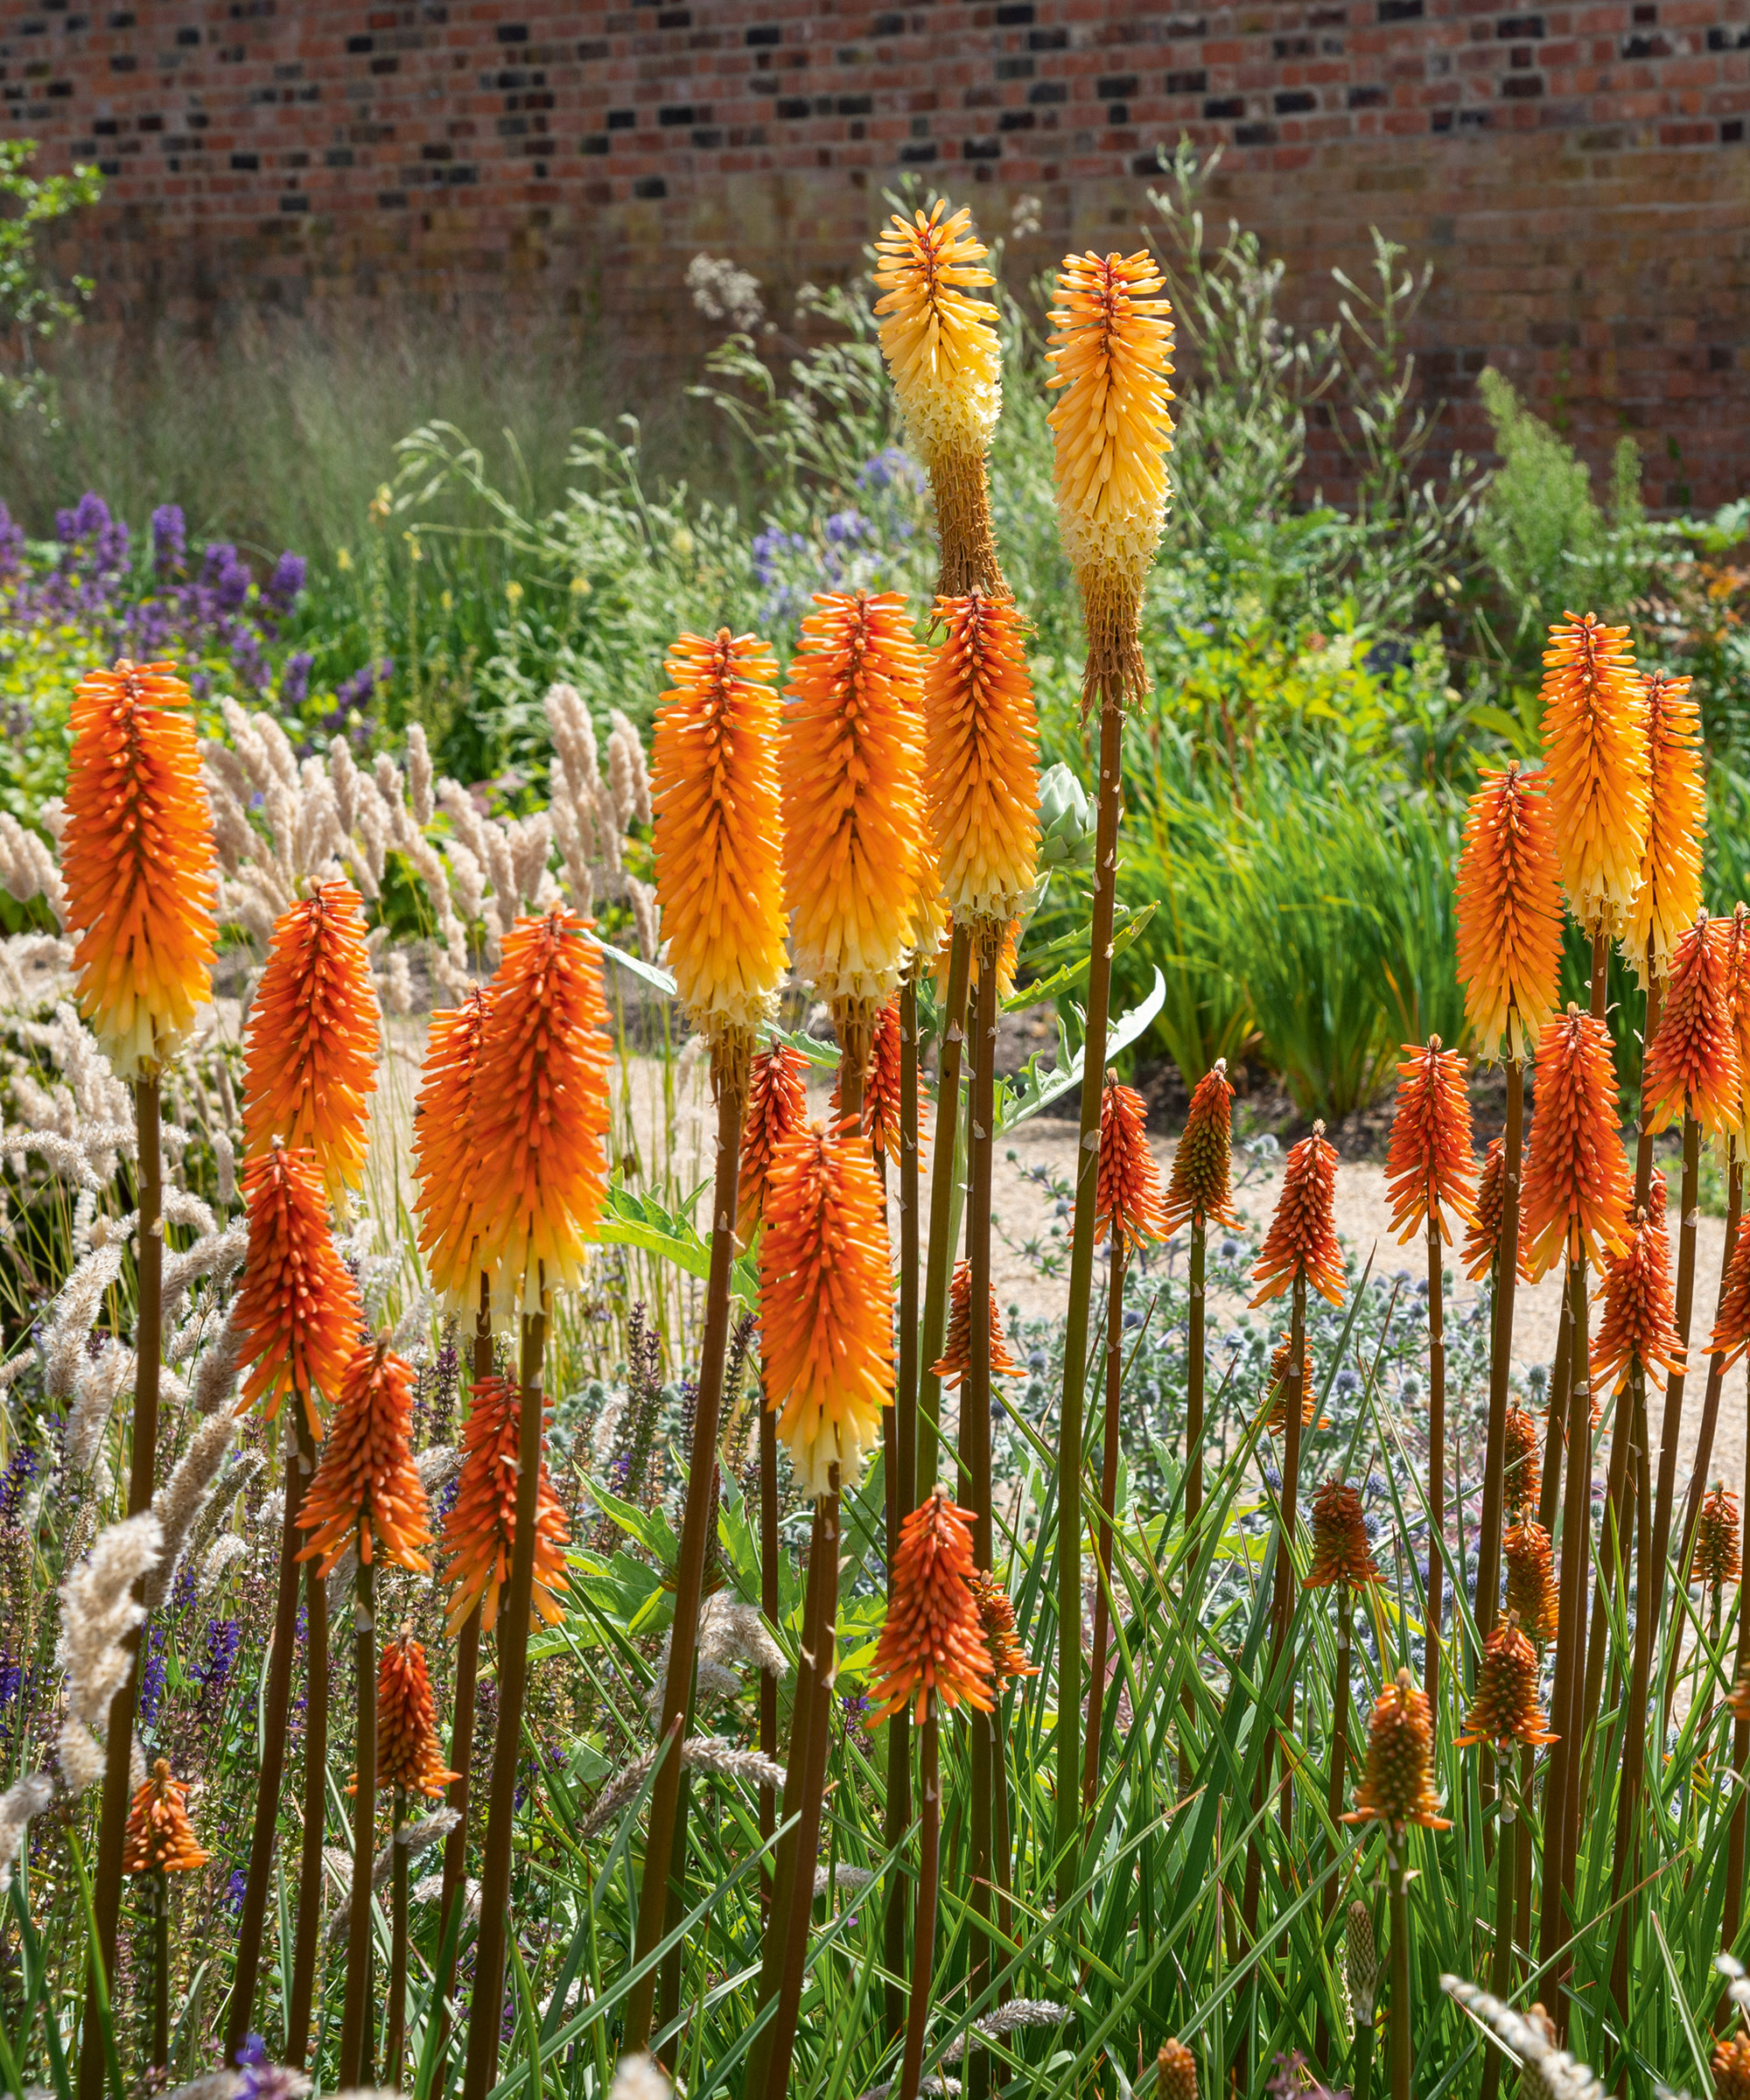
point(954, 1364)
point(1110, 346)
point(366, 1491)
point(947, 363)
point(1595, 758)
point(981, 762)
point(408, 1754)
point(311, 1056)
point(1717, 1558)
point(1002, 1635)
point(851, 754)
point(138, 863)
point(777, 1108)
point(1130, 1207)
point(1577, 1187)
point(1522, 1460)
point(1640, 1309)
point(1731, 1336)
point(932, 1639)
point(1692, 1060)
point(1342, 1550)
point(160, 1838)
point(826, 1312)
point(446, 1151)
point(479, 1527)
point(298, 1310)
point(1302, 1240)
point(1669, 895)
point(1504, 1707)
point(1175, 2072)
point(1481, 1249)
point(1532, 1597)
point(714, 786)
point(1398, 1789)
point(1199, 1186)
point(1430, 1170)
point(542, 1115)
point(1509, 913)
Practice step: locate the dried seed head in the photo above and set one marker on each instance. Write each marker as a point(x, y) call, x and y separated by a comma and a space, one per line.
point(1505, 1707)
point(1200, 1188)
point(1275, 1403)
point(1398, 1789)
point(1342, 1552)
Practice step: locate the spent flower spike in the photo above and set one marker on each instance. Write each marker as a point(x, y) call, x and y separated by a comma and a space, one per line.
point(1504, 1708)
point(1488, 1214)
point(1341, 1551)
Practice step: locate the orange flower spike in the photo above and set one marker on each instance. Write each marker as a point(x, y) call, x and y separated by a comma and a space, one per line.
point(932, 1639)
point(1199, 1187)
point(881, 1088)
point(1737, 933)
point(445, 1155)
point(1430, 1169)
point(480, 1529)
point(1509, 913)
point(1505, 1707)
point(542, 1121)
point(408, 1754)
point(1531, 1592)
point(1489, 1211)
point(1398, 1789)
point(1342, 1550)
point(981, 761)
point(311, 1057)
point(298, 1311)
point(777, 1108)
point(137, 858)
point(954, 1364)
point(1576, 1187)
point(1276, 1410)
point(1730, 2064)
point(1692, 1061)
point(1737, 1699)
point(714, 786)
point(826, 1304)
point(160, 1838)
point(1130, 1202)
point(1595, 758)
point(1717, 1559)
point(851, 766)
point(1302, 1240)
point(1639, 1310)
point(1522, 1460)
point(1002, 1636)
point(1669, 895)
point(1731, 1336)
point(366, 1490)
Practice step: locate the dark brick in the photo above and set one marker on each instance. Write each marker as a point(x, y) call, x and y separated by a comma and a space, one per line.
point(916, 156)
point(1048, 91)
point(1520, 29)
point(982, 149)
point(1117, 88)
point(1400, 10)
point(793, 107)
point(512, 32)
point(1048, 39)
point(1255, 135)
point(1522, 87)
point(676, 114)
point(1017, 120)
point(1291, 101)
point(764, 33)
point(1015, 16)
point(1224, 105)
point(621, 120)
point(1014, 69)
point(649, 186)
point(1366, 98)
point(1192, 82)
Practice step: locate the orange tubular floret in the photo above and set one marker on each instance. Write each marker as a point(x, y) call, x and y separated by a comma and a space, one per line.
point(311, 1065)
point(1399, 1786)
point(480, 1528)
point(826, 1305)
point(932, 1639)
point(1576, 1186)
point(160, 1838)
point(1342, 1550)
point(777, 1108)
point(982, 761)
point(1731, 1336)
point(1669, 895)
point(137, 858)
point(1002, 1636)
point(1717, 1559)
point(1505, 1708)
point(446, 1152)
point(1129, 1203)
point(1302, 1240)
point(1200, 1188)
point(881, 1089)
point(1736, 932)
point(954, 1366)
point(1509, 913)
point(1531, 1592)
point(298, 1311)
point(1640, 1309)
point(1692, 1061)
point(542, 1119)
point(1489, 1213)
point(366, 1491)
point(1596, 760)
point(714, 784)
point(1429, 1168)
point(408, 1754)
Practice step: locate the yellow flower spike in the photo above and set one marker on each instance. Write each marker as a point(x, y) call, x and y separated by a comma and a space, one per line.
point(981, 760)
point(1669, 895)
point(1509, 913)
point(1596, 758)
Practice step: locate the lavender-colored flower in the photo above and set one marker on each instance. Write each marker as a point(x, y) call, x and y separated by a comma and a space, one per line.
point(891, 468)
point(170, 539)
point(153, 1670)
point(11, 544)
point(846, 527)
point(224, 1639)
point(24, 1465)
point(235, 1890)
point(225, 573)
point(294, 680)
point(284, 587)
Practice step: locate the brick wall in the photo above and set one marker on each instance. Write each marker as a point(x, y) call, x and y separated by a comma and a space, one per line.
point(1579, 175)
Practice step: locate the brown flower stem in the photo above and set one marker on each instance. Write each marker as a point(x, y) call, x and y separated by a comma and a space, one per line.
point(1500, 1357)
point(1397, 2021)
point(159, 1885)
point(1437, 1458)
point(923, 1917)
point(769, 1604)
point(939, 1273)
point(487, 2004)
point(143, 1464)
point(1103, 1544)
point(307, 1938)
point(1193, 1379)
point(903, 1488)
point(1554, 1424)
point(1740, 1764)
point(395, 2037)
point(1506, 1882)
point(975, 1400)
point(729, 1073)
point(784, 1861)
point(1287, 1583)
point(355, 2011)
point(1574, 1727)
point(1522, 1875)
point(1065, 1836)
point(1334, 1778)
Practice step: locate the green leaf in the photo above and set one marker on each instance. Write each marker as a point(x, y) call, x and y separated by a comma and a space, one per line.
point(648, 1527)
point(1072, 946)
point(658, 980)
point(1038, 1086)
point(629, 1220)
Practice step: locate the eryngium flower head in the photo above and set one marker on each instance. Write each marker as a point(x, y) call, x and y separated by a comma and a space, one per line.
point(366, 1490)
point(826, 1305)
point(311, 1062)
point(1504, 1707)
point(1717, 1559)
point(1111, 344)
point(1175, 2072)
point(1398, 1789)
point(1640, 1309)
point(932, 1639)
point(1576, 1188)
point(137, 858)
point(1731, 1336)
point(1002, 1636)
point(1692, 1061)
point(1129, 1206)
point(1509, 913)
point(1531, 1592)
point(954, 1364)
point(542, 1118)
point(1302, 1240)
point(777, 1108)
point(446, 1149)
point(1595, 758)
point(981, 761)
point(298, 1310)
point(714, 784)
point(1342, 1552)
point(1488, 1214)
point(1669, 895)
point(852, 798)
point(1199, 1187)
point(479, 1530)
point(1522, 1464)
point(1429, 1170)
point(160, 1838)
point(408, 1755)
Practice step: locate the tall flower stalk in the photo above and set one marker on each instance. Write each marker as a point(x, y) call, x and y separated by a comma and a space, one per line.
point(1200, 1191)
point(408, 1763)
point(160, 1842)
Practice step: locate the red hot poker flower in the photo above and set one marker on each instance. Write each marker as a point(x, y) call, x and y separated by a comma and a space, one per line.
point(1398, 1789)
point(954, 1366)
point(1341, 1551)
point(1302, 1240)
point(446, 1154)
point(1640, 1309)
point(1509, 934)
point(1692, 1061)
point(932, 1639)
point(408, 1755)
point(1200, 1188)
point(366, 1490)
point(1531, 1593)
point(1128, 1201)
point(1429, 1170)
point(480, 1528)
point(1576, 1184)
point(1505, 1708)
point(160, 1838)
point(1483, 1242)
point(1002, 1636)
point(1731, 1336)
point(298, 1310)
point(777, 1107)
